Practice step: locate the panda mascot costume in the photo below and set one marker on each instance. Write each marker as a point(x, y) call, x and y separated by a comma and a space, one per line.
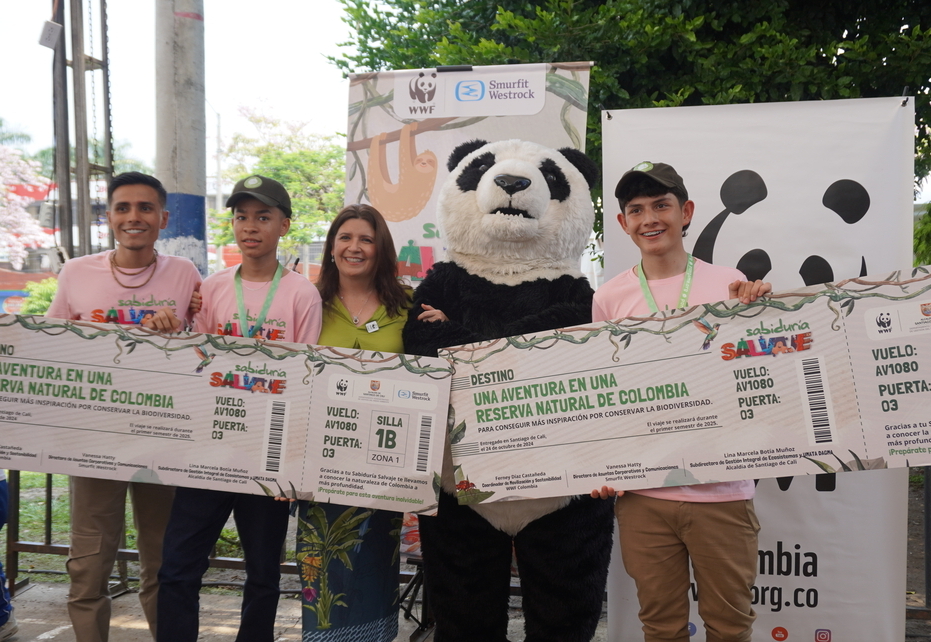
point(516, 217)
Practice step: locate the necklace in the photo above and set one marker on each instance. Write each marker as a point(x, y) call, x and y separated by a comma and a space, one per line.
point(355, 317)
point(114, 268)
point(255, 289)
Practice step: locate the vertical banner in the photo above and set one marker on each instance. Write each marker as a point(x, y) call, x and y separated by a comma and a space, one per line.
point(403, 125)
point(795, 194)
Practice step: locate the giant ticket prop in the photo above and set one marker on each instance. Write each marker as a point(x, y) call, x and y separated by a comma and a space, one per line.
point(221, 412)
point(822, 378)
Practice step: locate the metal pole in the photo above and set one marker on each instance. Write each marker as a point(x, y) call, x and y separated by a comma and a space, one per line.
point(107, 117)
point(218, 206)
point(181, 126)
point(62, 137)
point(82, 171)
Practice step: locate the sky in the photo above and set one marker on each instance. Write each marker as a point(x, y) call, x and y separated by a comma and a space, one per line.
point(271, 59)
point(268, 56)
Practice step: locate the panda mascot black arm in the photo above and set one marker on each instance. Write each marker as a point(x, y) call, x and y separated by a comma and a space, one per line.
point(516, 217)
point(479, 309)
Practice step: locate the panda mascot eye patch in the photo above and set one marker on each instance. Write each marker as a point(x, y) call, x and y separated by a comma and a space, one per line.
point(473, 172)
point(556, 180)
point(515, 217)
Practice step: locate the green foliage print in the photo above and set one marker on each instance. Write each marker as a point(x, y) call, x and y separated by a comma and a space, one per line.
point(324, 542)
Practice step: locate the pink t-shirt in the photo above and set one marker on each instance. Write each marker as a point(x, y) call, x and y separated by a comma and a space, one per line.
point(88, 291)
point(294, 315)
point(621, 297)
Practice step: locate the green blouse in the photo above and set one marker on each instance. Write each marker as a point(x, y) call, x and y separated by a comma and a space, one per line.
point(339, 331)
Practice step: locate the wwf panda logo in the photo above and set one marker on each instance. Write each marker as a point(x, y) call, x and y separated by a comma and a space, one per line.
point(423, 87)
point(744, 189)
point(517, 203)
point(884, 320)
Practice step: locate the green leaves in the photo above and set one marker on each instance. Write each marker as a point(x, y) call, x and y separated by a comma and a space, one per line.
point(40, 296)
point(667, 52)
point(847, 306)
point(456, 434)
point(921, 241)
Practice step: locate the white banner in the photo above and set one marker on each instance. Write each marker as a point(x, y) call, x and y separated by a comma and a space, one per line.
point(403, 125)
point(816, 188)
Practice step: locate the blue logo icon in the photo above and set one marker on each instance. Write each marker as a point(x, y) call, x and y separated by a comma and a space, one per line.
point(404, 394)
point(692, 629)
point(470, 90)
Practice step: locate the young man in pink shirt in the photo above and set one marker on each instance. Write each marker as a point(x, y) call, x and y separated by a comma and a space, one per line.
point(135, 285)
point(261, 299)
point(660, 529)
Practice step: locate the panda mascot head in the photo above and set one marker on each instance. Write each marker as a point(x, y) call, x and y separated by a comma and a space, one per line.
point(514, 210)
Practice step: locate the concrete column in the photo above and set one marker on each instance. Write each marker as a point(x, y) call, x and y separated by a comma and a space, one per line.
point(181, 126)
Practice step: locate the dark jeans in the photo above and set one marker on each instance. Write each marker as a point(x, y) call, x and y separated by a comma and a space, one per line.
point(5, 607)
point(197, 517)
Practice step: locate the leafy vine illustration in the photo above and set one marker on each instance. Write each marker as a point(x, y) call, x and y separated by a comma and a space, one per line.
point(840, 298)
point(316, 359)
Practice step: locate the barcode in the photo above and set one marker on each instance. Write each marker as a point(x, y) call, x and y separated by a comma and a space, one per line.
point(423, 444)
point(274, 435)
point(819, 408)
point(464, 450)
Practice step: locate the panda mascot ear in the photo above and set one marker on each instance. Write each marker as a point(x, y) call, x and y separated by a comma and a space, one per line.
point(462, 151)
point(582, 163)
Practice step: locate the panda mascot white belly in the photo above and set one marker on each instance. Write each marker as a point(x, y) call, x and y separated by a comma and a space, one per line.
point(515, 217)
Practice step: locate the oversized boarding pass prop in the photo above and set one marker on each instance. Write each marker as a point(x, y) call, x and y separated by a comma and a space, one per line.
point(221, 412)
point(822, 378)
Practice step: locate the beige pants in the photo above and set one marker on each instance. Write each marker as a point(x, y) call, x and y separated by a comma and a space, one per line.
point(659, 537)
point(97, 522)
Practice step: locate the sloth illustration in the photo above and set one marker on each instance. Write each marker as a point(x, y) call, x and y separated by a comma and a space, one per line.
point(416, 176)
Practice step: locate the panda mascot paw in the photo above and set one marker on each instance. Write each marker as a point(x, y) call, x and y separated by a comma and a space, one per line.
point(515, 217)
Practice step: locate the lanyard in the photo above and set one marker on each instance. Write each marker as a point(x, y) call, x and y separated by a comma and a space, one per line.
point(243, 316)
point(686, 286)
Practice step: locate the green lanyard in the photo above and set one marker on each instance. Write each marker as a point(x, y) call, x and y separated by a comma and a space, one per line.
point(686, 286)
point(243, 316)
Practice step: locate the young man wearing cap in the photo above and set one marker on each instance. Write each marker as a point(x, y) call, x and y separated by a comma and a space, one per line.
point(107, 287)
point(261, 299)
point(661, 528)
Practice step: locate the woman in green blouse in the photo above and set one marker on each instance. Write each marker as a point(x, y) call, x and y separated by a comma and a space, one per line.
point(348, 556)
point(364, 304)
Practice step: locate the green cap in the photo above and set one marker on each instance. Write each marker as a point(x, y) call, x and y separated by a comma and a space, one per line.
point(267, 190)
point(662, 173)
